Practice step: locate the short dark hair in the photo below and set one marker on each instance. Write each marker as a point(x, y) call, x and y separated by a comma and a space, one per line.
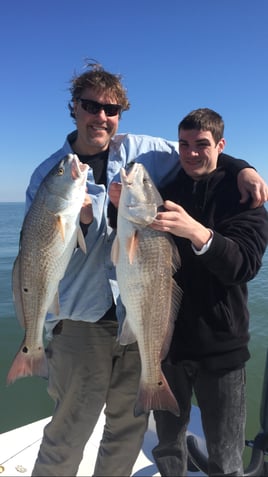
point(204, 119)
point(100, 80)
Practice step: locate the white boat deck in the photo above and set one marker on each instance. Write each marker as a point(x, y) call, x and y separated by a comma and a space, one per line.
point(19, 448)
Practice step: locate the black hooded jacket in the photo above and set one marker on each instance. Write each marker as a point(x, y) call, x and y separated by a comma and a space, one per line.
point(213, 321)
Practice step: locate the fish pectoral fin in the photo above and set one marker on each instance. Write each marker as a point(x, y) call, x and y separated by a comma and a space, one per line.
point(127, 336)
point(60, 224)
point(55, 305)
point(81, 240)
point(115, 251)
point(132, 245)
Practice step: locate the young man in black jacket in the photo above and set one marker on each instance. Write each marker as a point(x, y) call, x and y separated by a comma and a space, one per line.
point(221, 242)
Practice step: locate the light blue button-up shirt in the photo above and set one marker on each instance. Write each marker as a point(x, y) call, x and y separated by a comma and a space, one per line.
point(89, 287)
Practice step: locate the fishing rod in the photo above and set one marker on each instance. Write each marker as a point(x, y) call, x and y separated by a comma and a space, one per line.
point(258, 466)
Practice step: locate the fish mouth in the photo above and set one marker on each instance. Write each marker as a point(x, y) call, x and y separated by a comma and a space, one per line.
point(78, 168)
point(128, 174)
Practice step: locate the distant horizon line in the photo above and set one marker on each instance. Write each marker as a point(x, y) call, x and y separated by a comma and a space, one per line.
point(23, 202)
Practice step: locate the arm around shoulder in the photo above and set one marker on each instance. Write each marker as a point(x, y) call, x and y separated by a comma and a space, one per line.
point(249, 182)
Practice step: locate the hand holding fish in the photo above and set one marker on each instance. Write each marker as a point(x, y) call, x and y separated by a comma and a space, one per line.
point(115, 192)
point(86, 213)
point(178, 222)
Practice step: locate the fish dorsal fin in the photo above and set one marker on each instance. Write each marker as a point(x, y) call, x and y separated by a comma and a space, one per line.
point(81, 240)
point(176, 297)
point(127, 336)
point(176, 259)
point(132, 245)
point(115, 251)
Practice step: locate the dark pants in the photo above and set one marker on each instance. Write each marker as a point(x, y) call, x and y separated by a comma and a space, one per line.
point(89, 369)
point(221, 398)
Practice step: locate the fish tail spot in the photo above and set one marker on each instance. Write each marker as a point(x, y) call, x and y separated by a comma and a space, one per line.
point(28, 363)
point(158, 397)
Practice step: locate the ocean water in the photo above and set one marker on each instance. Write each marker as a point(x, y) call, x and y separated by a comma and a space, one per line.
point(26, 400)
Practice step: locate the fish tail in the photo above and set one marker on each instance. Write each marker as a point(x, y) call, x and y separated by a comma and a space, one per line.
point(157, 399)
point(28, 364)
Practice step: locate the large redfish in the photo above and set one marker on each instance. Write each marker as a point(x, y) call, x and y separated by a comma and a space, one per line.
point(50, 233)
point(145, 262)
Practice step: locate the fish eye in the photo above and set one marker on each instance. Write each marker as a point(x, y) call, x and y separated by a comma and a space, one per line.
point(60, 171)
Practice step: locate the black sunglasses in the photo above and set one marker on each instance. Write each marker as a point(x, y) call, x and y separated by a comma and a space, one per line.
point(93, 107)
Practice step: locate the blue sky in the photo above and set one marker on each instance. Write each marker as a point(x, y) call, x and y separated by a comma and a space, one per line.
point(174, 56)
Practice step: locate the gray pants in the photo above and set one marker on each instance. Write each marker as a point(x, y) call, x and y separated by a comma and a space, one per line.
point(88, 369)
point(221, 398)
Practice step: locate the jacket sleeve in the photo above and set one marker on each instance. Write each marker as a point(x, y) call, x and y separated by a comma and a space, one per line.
point(42, 170)
point(232, 164)
point(159, 156)
point(32, 188)
point(235, 255)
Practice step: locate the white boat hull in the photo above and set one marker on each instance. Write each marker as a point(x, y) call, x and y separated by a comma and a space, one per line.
point(19, 448)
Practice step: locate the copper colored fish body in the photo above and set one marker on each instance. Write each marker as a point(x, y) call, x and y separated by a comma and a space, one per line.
point(49, 235)
point(145, 262)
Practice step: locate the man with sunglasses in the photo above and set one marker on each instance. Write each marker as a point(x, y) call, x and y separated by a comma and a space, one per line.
point(88, 368)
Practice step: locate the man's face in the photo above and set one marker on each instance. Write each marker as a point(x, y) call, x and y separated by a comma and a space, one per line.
point(198, 152)
point(94, 130)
